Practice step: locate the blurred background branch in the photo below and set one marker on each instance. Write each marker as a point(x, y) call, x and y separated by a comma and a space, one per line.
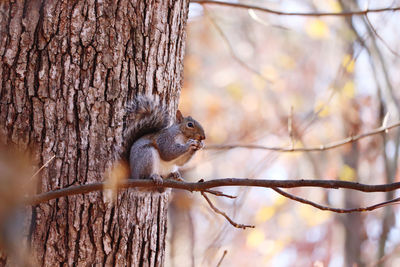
point(321, 147)
point(282, 13)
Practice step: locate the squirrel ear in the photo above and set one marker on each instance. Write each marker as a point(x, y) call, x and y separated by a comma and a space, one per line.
point(179, 116)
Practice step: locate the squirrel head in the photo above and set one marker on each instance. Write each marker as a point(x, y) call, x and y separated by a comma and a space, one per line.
point(190, 127)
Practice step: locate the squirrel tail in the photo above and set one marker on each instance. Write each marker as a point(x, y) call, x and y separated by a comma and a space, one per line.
point(143, 116)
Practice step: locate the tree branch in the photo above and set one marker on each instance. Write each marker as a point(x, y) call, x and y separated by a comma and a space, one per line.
point(321, 207)
point(222, 258)
point(216, 210)
point(328, 146)
point(219, 193)
point(311, 14)
point(380, 37)
point(202, 186)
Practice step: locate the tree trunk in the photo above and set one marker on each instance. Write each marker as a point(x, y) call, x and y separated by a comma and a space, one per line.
point(67, 69)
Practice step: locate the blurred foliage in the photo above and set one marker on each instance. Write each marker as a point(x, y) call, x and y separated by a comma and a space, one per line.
point(337, 88)
point(17, 183)
point(118, 173)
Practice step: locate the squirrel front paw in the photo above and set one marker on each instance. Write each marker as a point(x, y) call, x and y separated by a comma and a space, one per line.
point(195, 144)
point(201, 144)
point(156, 178)
point(175, 176)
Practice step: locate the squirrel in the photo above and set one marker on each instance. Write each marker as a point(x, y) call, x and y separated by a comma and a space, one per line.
point(157, 146)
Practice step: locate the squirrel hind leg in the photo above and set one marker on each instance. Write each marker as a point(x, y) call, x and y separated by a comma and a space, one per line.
point(144, 165)
point(141, 163)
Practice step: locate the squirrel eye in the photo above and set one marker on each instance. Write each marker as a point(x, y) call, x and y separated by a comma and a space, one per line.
point(190, 124)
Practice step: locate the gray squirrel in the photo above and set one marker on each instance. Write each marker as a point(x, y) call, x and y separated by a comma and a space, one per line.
point(157, 147)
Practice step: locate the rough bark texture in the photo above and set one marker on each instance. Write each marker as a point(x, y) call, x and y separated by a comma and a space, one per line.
point(67, 69)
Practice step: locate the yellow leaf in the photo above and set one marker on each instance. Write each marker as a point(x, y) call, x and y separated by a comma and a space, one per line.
point(116, 175)
point(264, 214)
point(349, 89)
point(322, 109)
point(348, 63)
point(347, 173)
point(335, 6)
point(280, 200)
point(296, 101)
point(313, 216)
point(235, 91)
point(317, 29)
point(255, 238)
point(270, 73)
point(287, 62)
point(258, 82)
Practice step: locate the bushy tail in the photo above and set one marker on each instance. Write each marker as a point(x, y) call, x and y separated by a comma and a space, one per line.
point(143, 116)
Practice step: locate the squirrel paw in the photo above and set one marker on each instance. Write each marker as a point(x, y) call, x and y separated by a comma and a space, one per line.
point(176, 176)
point(156, 178)
point(195, 144)
point(201, 144)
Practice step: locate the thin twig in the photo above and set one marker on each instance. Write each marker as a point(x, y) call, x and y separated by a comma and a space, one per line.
point(232, 50)
point(216, 210)
point(201, 186)
point(308, 149)
point(44, 165)
point(283, 13)
point(379, 37)
point(321, 207)
point(222, 258)
point(219, 193)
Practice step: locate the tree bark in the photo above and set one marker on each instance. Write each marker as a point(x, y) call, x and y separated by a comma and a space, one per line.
point(67, 69)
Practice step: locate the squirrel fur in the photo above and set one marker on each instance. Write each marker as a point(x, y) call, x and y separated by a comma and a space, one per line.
point(157, 146)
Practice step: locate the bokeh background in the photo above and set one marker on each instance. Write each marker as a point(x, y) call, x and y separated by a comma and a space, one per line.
point(253, 77)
